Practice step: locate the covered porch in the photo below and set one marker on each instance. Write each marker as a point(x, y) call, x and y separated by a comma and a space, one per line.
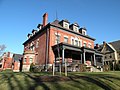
point(76, 57)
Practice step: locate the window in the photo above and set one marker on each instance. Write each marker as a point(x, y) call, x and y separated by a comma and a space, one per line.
point(25, 59)
point(76, 42)
point(57, 39)
point(110, 56)
point(84, 33)
point(84, 44)
point(89, 45)
point(105, 57)
point(37, 43)
point(66, 25)
point(80, 43)
point(76, 29)
point(31, 60)
point(32, 47)
point(65, 39)
point(72, 41)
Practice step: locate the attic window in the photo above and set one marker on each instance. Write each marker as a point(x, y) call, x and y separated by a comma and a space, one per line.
point(76, 29)
point(66, 25)
point(84, 33)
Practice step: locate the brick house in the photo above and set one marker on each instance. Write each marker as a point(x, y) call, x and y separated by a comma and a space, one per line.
point(11, 61)
point(17, 62)
point(7, 60)
point(60, 41)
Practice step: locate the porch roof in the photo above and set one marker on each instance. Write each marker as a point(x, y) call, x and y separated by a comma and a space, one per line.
point(75, 48)
point(66, 46)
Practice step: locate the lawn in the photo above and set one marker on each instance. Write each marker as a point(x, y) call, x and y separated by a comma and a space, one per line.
point(74, 81)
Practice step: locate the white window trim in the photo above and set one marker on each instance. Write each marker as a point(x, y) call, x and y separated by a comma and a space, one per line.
point(80, 43)
point(57, 34)
point(89, 45)
point(75, 28)
point(66, 24)
point(84, 42)
point(72, 38)
point(66, 36)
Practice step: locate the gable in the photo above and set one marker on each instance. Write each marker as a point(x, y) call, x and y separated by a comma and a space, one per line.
point(107, 49)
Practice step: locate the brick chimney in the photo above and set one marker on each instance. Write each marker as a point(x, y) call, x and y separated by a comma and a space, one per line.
point(45, 19)
point(97, 46)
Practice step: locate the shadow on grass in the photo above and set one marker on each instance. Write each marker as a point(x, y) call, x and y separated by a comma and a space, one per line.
point(98, 83)
point(38, 82)
point(12, 80)
point(91, 80)
point(31, 82)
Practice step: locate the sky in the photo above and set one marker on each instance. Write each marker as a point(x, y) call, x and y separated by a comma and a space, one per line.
point(20, 17)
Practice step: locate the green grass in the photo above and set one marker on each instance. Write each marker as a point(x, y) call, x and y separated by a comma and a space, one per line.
point(74, 81)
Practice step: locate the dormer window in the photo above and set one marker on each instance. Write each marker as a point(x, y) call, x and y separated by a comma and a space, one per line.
point(74, 27)
point(83, 31)
point(34, 32)
point(39, 26)
point(29, 35)
point(65, 23)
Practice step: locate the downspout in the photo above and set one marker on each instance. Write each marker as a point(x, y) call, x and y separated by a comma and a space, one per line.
point(47, 47)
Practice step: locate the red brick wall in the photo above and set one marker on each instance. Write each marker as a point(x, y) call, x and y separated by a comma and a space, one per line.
point(63, 33)
point(16, 66)
point(7, 63)
point(40, 51)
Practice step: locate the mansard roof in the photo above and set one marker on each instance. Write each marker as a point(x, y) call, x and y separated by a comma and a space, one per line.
point(56, 24)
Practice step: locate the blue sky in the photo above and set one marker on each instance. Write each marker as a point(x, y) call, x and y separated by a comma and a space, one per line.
point(19, 17)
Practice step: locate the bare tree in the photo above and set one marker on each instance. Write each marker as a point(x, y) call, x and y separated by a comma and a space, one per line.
point(2, 48)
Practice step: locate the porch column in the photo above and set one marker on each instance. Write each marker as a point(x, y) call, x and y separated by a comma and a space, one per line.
point(63, 52)
point(94, 59)
point(81, 58)
point(84, 57)
point(102, 60)
point(91, 60)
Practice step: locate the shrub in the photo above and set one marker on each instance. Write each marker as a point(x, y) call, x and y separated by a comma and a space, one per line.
point(117, 66)
point(32, 67)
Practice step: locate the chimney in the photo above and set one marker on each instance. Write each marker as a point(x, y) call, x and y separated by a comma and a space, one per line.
point(104, 43)
point(96, 46)
point(45, 19)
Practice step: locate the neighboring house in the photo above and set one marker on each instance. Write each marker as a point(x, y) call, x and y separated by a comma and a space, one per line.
point(17, 62)
point(7, 60)
point(111, 52)
point(1, 62)
point(11, 61)
point(62, 41)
